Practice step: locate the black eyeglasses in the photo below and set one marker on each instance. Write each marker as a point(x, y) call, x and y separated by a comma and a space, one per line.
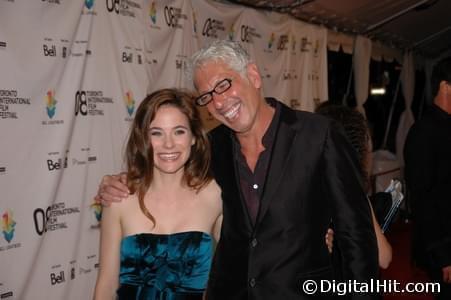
point(219, 88)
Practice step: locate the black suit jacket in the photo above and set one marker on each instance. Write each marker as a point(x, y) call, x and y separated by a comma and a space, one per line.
point(427, 154)
point(312, 179)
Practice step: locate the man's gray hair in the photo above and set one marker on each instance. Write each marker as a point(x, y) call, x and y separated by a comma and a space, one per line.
point(229, 52)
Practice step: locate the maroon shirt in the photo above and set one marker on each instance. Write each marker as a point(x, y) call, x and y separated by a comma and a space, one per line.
point(252, 183)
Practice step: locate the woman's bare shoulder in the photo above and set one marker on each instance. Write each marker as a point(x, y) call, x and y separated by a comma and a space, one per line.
point(212, 189)
point(124, 204)
point(211, 195)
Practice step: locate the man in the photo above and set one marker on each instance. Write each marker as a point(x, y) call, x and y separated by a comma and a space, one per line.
point(427, 154)
point(284, 176)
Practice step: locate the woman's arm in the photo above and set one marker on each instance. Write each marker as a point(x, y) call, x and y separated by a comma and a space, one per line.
point(110, 240)
point(217, 228)
point(383, 246)
point(215, 199)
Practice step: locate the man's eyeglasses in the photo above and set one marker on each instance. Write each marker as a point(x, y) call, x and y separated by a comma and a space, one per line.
point(219, 88)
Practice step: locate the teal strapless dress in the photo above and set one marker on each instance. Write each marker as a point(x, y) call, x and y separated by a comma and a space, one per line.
point(165, 266)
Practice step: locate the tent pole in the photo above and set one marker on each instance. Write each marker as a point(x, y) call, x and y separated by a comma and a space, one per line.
point(390, 115)
point(396, 15)
point(431, 37)
point(344, 101)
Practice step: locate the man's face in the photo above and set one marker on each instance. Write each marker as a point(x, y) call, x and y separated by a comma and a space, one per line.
point(237, 107)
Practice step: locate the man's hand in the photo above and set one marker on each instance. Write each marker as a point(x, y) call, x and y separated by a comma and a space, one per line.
point(112, 188)
point(446, 271)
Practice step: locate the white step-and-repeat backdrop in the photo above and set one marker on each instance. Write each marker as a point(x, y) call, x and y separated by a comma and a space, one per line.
point(72, 73)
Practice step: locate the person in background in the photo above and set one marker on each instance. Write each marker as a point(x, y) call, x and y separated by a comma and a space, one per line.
point(427, 154)
point(158, 243)
point(357, 132)
point(284, 174)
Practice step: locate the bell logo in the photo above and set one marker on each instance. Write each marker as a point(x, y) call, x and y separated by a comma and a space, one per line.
point(283, 40)
point(57, 278)
point(56, 165)
point(127, 57)
point(49, 50)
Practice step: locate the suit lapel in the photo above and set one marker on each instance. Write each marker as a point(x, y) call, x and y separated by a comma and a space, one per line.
point(282, 148)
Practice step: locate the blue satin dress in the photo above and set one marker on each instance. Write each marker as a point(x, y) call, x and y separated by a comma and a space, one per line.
point(165, 266)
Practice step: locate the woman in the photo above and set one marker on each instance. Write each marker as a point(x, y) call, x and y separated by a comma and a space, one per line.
point(157, 244)
point(357, 132)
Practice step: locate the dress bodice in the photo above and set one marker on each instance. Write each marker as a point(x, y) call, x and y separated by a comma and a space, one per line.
point(165, 266)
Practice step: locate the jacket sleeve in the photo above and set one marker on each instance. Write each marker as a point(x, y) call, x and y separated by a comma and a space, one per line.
point(429, 197)
point(354, 231)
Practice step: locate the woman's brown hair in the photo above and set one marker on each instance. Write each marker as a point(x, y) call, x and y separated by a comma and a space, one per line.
point(356, 130)
point(139, 152)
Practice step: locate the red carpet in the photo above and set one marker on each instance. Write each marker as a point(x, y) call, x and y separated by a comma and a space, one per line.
point(401, 267)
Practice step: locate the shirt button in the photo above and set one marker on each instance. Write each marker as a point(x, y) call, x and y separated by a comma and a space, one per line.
point(255, 186)
point(252, 282)
point(254, 242)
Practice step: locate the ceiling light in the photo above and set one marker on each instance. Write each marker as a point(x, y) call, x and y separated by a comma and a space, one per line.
point(377, 91)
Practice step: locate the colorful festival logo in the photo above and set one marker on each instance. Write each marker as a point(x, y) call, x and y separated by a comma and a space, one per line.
point(153, 13)
point(129, 102)
point(51, 103)
point(231, 32)
point(8, 225)
point(89, 4)
point(97, 207)
point(271, 40)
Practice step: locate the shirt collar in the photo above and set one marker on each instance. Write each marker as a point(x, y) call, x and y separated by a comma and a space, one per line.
point(440, 112)
point(270, 134)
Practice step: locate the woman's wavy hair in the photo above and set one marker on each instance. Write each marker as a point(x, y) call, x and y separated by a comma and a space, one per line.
point(139, 152)
point(356, 129)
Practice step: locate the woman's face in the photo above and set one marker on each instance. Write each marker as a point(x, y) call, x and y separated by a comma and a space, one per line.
point(171, 139)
